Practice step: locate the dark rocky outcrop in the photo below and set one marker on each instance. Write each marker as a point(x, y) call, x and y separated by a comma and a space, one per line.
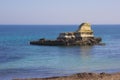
point(68, 42)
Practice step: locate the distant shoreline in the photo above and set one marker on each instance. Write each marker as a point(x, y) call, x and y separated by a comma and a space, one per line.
point(82, 76)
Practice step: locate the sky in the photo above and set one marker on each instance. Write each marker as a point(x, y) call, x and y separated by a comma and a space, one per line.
point(59, 11)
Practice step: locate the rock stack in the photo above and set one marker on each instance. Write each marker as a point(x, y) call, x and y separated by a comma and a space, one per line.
point(83, 36)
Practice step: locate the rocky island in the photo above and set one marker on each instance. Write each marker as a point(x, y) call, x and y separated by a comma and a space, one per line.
point(82, 36)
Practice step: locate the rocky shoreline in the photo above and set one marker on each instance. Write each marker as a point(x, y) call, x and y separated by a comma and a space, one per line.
point(82, 76)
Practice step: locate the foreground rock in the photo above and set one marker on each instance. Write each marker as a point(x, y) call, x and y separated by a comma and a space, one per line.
point(82, 76)
point(83, 36)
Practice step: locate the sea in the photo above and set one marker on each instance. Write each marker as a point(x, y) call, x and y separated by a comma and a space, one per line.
point(19, 59)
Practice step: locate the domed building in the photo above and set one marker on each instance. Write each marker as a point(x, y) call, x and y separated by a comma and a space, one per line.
point(84, 32)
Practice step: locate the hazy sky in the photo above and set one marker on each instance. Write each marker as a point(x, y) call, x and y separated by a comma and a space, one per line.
point(59, 11)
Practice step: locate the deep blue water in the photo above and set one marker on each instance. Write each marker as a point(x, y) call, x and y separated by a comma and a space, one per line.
point(19, 59)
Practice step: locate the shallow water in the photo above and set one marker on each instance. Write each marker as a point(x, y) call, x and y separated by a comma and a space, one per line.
point(19, 59)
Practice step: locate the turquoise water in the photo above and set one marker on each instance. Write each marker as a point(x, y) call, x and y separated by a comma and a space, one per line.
point(19, 59)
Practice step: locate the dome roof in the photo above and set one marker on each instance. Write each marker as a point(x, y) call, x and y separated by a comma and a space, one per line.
point(84, 27)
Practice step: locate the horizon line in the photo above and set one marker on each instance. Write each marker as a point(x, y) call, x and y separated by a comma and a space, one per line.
point(59, 24)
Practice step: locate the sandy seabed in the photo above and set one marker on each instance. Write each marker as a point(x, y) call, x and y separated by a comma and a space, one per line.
point(82, 76)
